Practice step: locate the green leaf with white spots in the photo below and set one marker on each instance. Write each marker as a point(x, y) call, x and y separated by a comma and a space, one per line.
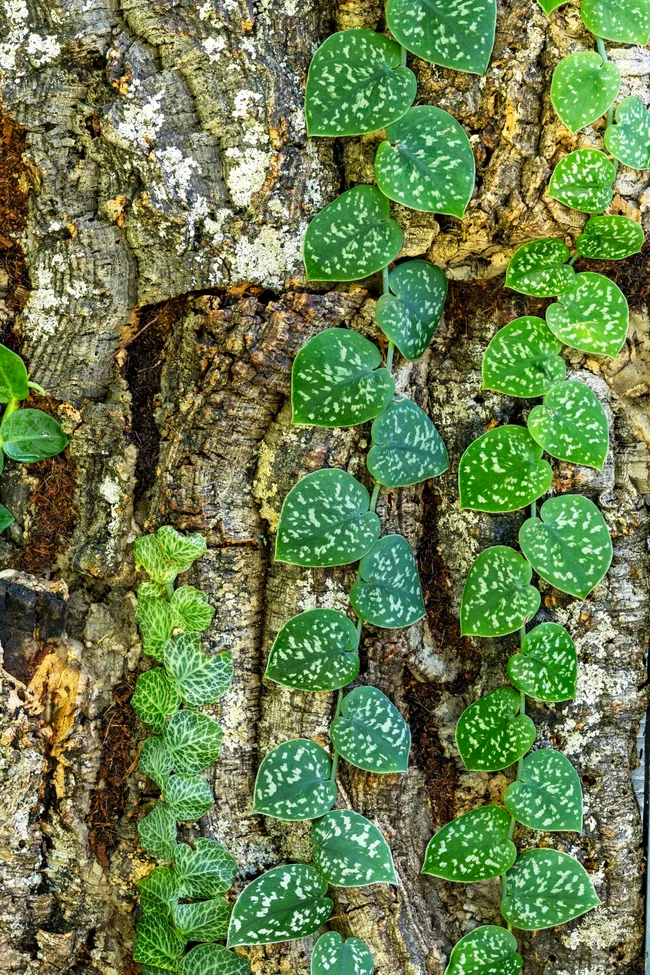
point(548, 6)
point(338, 380)
point(200, 679)
point(523, 359)
point(498, 597)
point(350, 851)
point(155, 698)
point(293, 782)
point(354, 236)
point(547, 794)
point(204, 869)
point(547, 666)
point(6, 517)
point(546, 888)
point(387, 592)
point(31, 435)
point(188, 798)
point(407, 448)
point(457, 34)
point(584, 87)
point(203, 920)
point(610, 238)
point(491, 734)
point(370, 733)
point(475, 846)
point(503, 471)
point(357, 84)
point(426, 162)
point(584, 181)
point(488, 950)
point(157, 944)
point(334, 956)
point(192, 609)
point(539, 268)
point(625, 21)
point(166, 554)
point(410, 313)
point(282, 904)
point(571, 425)
point(629, 140)
point(156, 761)
point(213, 960)
point(156, 620)
point(315, 651)
point(13, 376)
point(592, 317)
point(157, 832)
point(159, 891)
point(193, 739)
point(325, 520)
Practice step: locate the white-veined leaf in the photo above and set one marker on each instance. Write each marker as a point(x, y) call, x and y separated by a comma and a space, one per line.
point(349, 850)
point(192, 609)
point(282, 904)
point(498, 597)
point(370, 733)
point(157, 832)
point(546, 888)
point(539, 268)
point(213, 960)
point(625, 21)
point(410, 314)
point(193, 739)
point(491, 734)
point(610, 238)
point(475, 846)
point(155, 698)
point(407, 448)
point(629, 140)
point(159, 890)
point(592, 317)
point(387, 592)
point(200, 679)
point(522, 359)
point(547, 794)
point(457, 34)
point(571, 425)
point(204, 869)
point(293, 782)
point(502, 471)
point(584, 181)
point(547, 666)
point(315, 651)
point(157, 944)
point(334, 956)
point(488, 950)
point(156, 620)
point(166, 554)
point(156, 761)
point(584, 87)
point(187, 797)
point(203, 920)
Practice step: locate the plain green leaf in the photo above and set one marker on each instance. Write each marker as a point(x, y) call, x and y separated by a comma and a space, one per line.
point(502, 471)
point(539, 268)
point(584, 180)
point(193, 739)
point(453, 35)
point(349, 850)
point(156, 761)
point(282, 904)
point(293, 782)
point(387, 592)
point(475, 846)
point(6, 517)
point(584, 87)
point(192, 609)
point(157, 832)
point(546, 888)
point(370, 733)
point(624, 21)
point(356, 84)
point(213, 960)
point(188, 798)
point(203, 920)
point(488, 950)
point(592, 317)
point(610, 238)
point(523, 359)
point(166, 554)
point(200, 679)
point(491, 734)
point(13, 376)
point(629, 140)
point(547, 666)
point(426, 162)
point(156, 619)
point(571, 425)
point(156, 943)
point(31, 435)
point(325, 521)
point(155, 698)
point(407, 448)
point(338, 380)
point(410, 313)
point(498, 597)
point(204, 869)
point(315, 651)
point(159, 890)
point(334, 956)
point(547, 794)
point(568, 545)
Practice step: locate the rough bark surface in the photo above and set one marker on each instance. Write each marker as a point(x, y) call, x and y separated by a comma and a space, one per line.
point(155, 182)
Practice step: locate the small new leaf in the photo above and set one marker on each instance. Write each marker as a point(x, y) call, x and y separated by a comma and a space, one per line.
point(13, 376)
point(523, 359)
point(571, 425)
point(539, 268)
point(584, 87)
point(546, 888)
point(547, 666)
point(166, 554)
point(407, 448)
point(460, 37)
point(315, 651)
point(200, 679)
point(475, 846)
point(157, 944)
point(592, 317)
point(547, 794)
point(410, 314)
point(204, 870)
point(157, 832)
point(370, 733)
point(187, 798)
point(498, 597)
point(282, 904)
point(155, 698)
point(387, 592)
point(488, 950)
point(31, 435)
point(503, 471)
point(491, 734)
point(293, 782)
point(350, 851)
point(584, 181)
point(629, 140)
point(610, 238)
point(334, 956)
point(625, 21)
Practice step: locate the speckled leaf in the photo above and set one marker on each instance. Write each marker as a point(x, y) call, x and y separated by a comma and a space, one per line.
point(488, 950)
point(338, 380)
point(188, 798)
point(356, 84)
point(426, 162)
point(547, 666)
point(370, 733)
point(204, 871)
point(213, 960)
point(157, 944)
point(13, 376)
point(325, 520)
point(491, 734)
point(31, 435)
point(629, 139)
point(156, 619)
point(584, 87)
point(546, 888)
point(568, 545)
point(155, 698)
point(192, 609)
point(6, 517)
point(156, 761)
point(584, 180)
point(410, 314)
point(475, 846)
point(503, 471)
point(200, 679)
point(157, 832)
point(592, 317)
point(610, 238)
point(334, 956)
point(166, 554)
point(625, 21)
point(457, 34)
point(293, 782)
point(203, 920)
point(349, 851)
point(539, 268)
point(571, 425)
point(282, 904)
point(547, 794)
point(407, 448)
point(354, 236)
point(498, 598)
point(522, 359)
point(387, 592)
point(315, 651)
point(193, 739)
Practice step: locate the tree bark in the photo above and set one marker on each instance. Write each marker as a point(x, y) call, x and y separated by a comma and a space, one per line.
point(156, 182)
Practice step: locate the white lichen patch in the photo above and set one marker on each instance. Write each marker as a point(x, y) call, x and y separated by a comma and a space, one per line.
point(270, 256)
point(213, 47)
point(245, 174)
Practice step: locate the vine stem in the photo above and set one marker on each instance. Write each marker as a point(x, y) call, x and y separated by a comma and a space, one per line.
point(600, 44)
point(339, 704)
point(403, 53)
point(12, 406)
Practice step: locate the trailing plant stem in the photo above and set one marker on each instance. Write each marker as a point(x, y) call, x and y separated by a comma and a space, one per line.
point(339, 704)
point(600, 44)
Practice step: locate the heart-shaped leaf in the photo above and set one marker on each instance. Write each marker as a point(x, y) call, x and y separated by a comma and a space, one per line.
point(460, 38)
point(584, 87)
point(625, 21)
point(193, 611)
point(547, 666)
point(280, 905)
point(193, 739)
point(350, 851)
point(522, 359)
point(203, 920)
point(546, 888)
point(407, 448)
point(200, 679)
point(166, 554)
point(157, 944)
point(370, 733)
point(157, 831)
point(426, 162)
point(325, 520)
point(31, 435)
point(491, 734)
point(315, 651)
point(498, 598)
point(474, 846)
point(13, 376)
point(156, 761)
point(213, 960)
point(155, 698)
point(294, 782)
point(354, 236)
point(156, 620)
point(488, 950)
point(547, 794)
point(387, 592)
point(204, 869)
point(568, 545)
point(410, 315)
point(503, 471)
point(539, 268)
point(610, 238)
point(187, 798)
point(6, 517)
point(571, 425)
point(159, 891)
point(338, 380)
point(334, 956)
point(584, 180)
point(629, 139)
point(357, 84)
point(592, 317)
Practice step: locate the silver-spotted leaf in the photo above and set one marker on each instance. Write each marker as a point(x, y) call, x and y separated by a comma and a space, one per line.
point(547, 794)
point(200, 679)
point(475, 846)
point(546, 888)
point(204, 869)
point(370, 733)
point(166, 554)
point(156, 943)
point(592, 317)
point(457, 34)
point(571, 425)
point(410, 313)
point(293, 782)
point(159, 890)
point(625, 21)
point(387, 592)
point(13, 376)
point(213, 960)
point(187, 797)
point(407, 448)
point(282, 904)
point(349, 850)
point(568, 545)
point(488, 950)
point(334, 956)
point(546, 668)
point(584, 181)
point(155, 698)
point(610, 238)
point(194, 740)
point(629, 140)
point(315, 651)
point(192, 609)
point(31, 435)
point(503, 470)
point(523, 359)
point(491, 734)
point(156, 620)
point(539, 268)
point(498, 597)
point(584, 87)
point(156, 761)
point(203, 920)
point(157, 831)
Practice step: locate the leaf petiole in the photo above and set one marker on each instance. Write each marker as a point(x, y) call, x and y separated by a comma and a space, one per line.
point(339, 705)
